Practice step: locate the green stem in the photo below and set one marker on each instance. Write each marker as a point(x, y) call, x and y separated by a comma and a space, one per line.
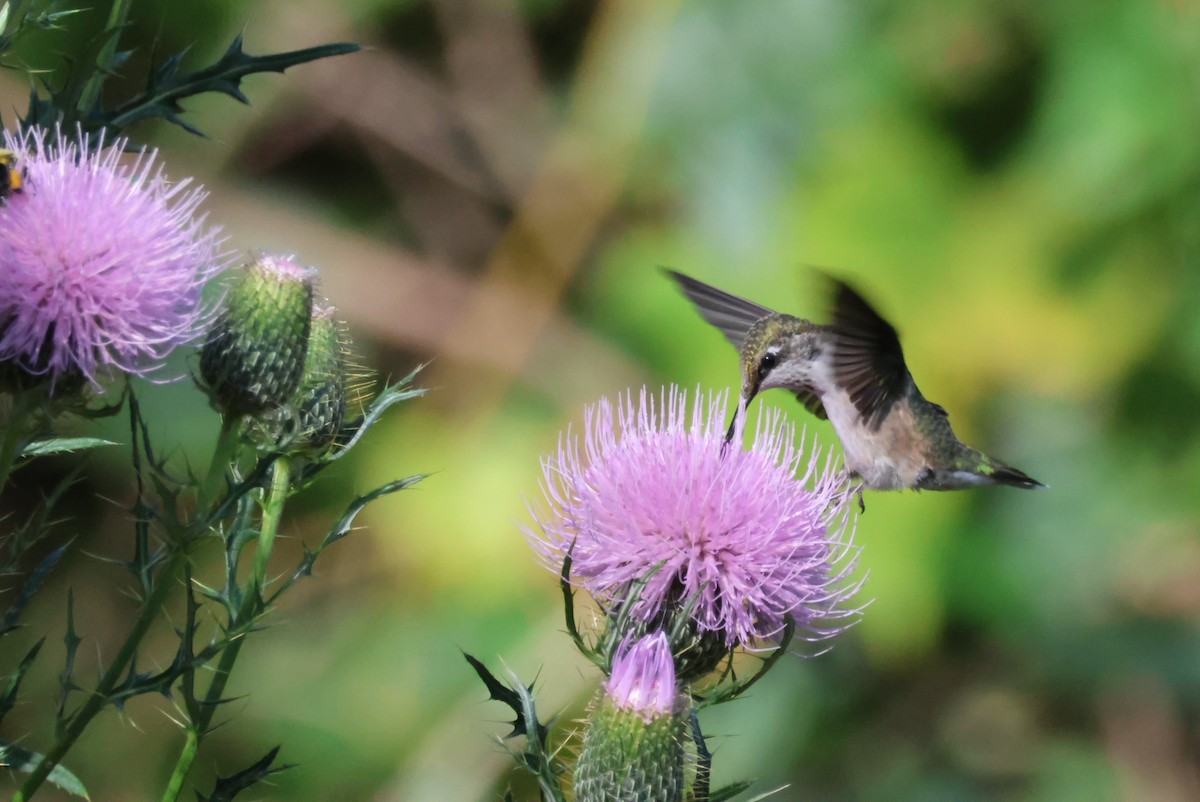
point(227, 444)
point(223, 455)
point(281, 484)
point(250, 608)
point(14, 433)
point(99, 697)
point(116, 20)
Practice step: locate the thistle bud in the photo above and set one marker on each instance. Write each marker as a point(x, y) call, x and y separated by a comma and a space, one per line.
point(633, 749)
point(254, 356)
point(320, 401)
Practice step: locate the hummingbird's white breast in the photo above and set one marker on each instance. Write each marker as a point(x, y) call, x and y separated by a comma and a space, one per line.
point(888, 459)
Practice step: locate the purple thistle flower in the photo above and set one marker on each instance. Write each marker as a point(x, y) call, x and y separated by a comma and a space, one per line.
point(102, 262)
point(733, 533)
point(643, 677)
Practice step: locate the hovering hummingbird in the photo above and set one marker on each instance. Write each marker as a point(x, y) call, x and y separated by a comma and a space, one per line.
point(852, 372)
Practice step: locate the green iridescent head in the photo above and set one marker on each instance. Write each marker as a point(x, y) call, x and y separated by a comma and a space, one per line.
point(778, 351)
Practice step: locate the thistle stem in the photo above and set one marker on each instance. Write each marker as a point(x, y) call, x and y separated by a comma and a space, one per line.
point(250, 607)
point(227, 443)
point(99, 697)
point(223, 454)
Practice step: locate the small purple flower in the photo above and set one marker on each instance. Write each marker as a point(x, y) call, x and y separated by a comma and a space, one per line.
point(102, 261)
point(734, 533)
point(643, 677)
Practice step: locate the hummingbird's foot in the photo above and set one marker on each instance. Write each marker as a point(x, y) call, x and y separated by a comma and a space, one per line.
point(849, 478)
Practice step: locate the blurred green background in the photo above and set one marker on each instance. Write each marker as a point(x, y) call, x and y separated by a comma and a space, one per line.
point(493, 184)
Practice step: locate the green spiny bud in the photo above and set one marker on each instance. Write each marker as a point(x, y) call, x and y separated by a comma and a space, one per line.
point(320, 402)
point(254, 356)
point(633, 750)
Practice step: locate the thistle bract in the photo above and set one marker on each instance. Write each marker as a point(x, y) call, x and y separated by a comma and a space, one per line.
point(660, 514)
point(253, 359)
point(320, 402)
point(102, 260)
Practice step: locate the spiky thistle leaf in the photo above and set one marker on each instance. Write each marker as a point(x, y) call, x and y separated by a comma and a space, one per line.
point(20, 759)
point(166, 86)
point(229, 787)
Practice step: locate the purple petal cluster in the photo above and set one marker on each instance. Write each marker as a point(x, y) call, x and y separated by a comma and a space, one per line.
point(102, 259)
point(643, 677)
point(734, 533)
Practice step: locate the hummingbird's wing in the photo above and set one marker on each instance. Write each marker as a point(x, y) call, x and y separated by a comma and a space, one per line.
point(867, 359)
point(732, 315)
point(812, 402)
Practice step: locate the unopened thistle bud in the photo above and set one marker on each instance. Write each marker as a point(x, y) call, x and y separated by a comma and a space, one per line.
point(320, 402)
point(254, 356)
point(633, 750)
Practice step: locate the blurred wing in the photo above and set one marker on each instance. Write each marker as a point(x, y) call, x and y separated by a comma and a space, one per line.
point(732, 315)
point(867, 359)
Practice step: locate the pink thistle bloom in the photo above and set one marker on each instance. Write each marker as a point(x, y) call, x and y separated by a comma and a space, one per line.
point(734, 533)
point(102, 261)
point(643, 677)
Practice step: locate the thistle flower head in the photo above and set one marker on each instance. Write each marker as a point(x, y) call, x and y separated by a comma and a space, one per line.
point(731, 537)
point(102, 259)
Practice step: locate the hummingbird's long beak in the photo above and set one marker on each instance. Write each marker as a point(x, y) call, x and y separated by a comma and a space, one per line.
point(748, 393)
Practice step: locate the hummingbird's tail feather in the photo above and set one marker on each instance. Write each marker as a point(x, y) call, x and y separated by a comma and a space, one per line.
point(732, 315)
point(1007, 475)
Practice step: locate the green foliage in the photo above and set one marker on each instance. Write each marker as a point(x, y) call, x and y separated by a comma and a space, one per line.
point(227, 788)
point(21, 759)
point(59, 445)
point(19, 19)
point(537, 757)
point(167, 86)
point(79, 100)
point(9, 622)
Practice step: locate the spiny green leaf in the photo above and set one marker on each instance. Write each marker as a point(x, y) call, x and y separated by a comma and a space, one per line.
point(14, 27)
point(729, 792)
point(346, 522)
point(66, 681)
point(339, 531)
point(537, 758)
point(39, 523)
point(229, 787)
point(167, 86)
point(499, 692)
point(21, 759)
point(59, 445)
point(31, 586)
point(9, 699)
point(353, 431)
point(727, 692)
point(591, 652)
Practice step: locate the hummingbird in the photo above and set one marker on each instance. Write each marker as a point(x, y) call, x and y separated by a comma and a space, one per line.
point(852, 372)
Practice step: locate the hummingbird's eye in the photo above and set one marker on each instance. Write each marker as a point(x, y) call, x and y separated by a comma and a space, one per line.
point(767, 364)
